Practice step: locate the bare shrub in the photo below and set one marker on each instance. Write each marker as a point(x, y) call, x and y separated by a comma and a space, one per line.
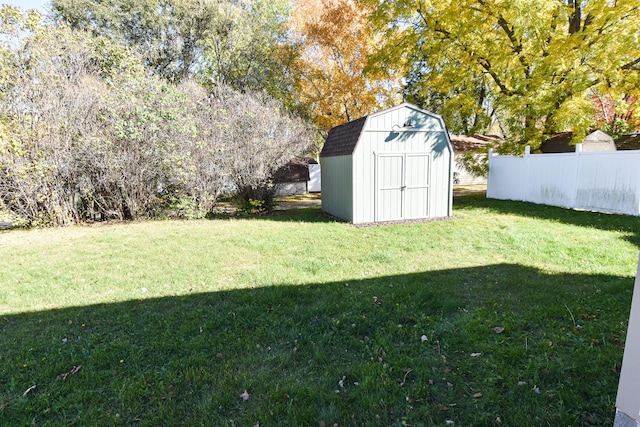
point(258, 137)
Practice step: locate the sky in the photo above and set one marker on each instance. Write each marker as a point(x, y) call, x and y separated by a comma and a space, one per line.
point(29, 4)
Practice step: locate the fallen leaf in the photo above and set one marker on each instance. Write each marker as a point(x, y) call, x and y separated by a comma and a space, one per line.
point(73, 371)
point(244, 396)
point(27, 391)
point(498, 420)
point(477, 395)
point(521, 383)
point(406, 371)
point(498, 329)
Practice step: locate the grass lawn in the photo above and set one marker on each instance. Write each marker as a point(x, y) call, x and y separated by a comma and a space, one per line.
point(509, 314)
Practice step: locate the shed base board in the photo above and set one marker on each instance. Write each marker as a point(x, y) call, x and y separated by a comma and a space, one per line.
point(623, 420)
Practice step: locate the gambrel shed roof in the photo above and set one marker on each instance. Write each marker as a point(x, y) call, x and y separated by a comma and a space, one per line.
point(342, 140)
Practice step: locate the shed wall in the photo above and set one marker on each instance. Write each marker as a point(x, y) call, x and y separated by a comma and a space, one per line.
point(383, 134)
point(337, 186)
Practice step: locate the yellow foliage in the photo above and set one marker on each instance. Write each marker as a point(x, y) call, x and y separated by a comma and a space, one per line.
point(336, 44)
point(542, 58)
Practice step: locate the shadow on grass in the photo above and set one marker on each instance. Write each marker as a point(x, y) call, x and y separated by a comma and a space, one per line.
point(311, 214)
point(415, 349)
point(602, 221)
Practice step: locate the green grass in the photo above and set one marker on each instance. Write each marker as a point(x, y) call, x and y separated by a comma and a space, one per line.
point(320, 322)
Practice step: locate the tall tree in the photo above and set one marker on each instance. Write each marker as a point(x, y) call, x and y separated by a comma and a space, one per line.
point(168, 34)
point(336, 42)
point(247, 47)
point(538, 59)
point(237, 42)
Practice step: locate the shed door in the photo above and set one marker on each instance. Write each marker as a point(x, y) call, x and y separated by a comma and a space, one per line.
point(402, 186)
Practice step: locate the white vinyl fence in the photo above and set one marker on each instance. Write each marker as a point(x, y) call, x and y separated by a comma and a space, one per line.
point(599, 181)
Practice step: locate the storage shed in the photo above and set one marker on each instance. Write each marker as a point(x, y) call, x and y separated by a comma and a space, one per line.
point(396, 164)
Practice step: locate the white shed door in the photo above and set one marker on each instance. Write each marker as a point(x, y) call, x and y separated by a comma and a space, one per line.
point(402, 186)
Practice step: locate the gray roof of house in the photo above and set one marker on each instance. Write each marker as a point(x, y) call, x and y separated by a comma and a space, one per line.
point(630, 141)
point(342, 140)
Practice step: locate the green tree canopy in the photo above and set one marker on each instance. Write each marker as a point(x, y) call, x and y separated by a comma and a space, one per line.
point(532, 63)
point(241, 43)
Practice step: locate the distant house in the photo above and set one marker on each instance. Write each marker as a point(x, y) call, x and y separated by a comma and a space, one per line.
point(630, 141)
point(291, 179)
point(462, 144)
point(561, 143)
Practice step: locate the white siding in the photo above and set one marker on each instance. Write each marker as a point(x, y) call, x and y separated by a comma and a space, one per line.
point(315, 180)
point(463, 177)
point(290, 188)
point(628, 399)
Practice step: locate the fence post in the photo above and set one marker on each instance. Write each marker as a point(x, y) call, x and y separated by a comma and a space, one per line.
point(489, 179)
point(527, 159)
point(576, 183)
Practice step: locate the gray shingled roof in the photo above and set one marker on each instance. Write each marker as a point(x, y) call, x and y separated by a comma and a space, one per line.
point(473, 142)
point(342, 140)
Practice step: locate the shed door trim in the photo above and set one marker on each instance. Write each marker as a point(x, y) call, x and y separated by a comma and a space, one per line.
point(402, 185)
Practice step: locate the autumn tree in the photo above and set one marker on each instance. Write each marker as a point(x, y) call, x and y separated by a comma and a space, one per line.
point(532, 63)
point(616, 113)
point(336, 42)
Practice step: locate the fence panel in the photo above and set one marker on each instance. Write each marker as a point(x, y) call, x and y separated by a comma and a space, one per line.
point(603, 181)
point(551, 179)
point(506, 178)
